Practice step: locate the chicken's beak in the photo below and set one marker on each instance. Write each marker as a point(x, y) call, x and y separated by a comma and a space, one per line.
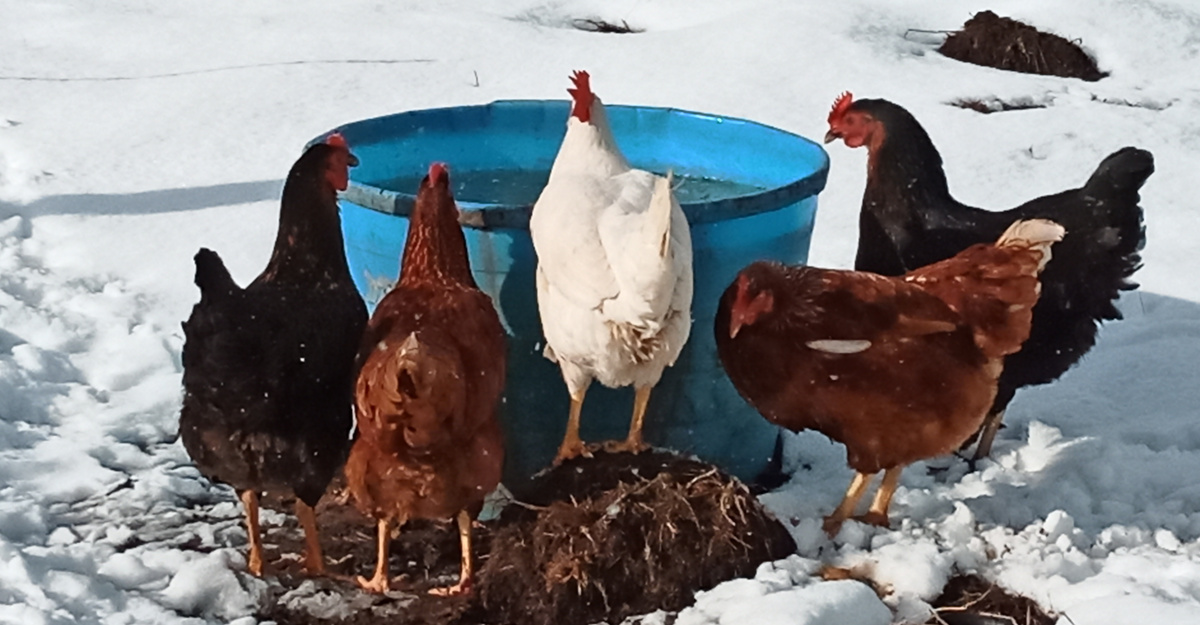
point(736, 321)
point(831, 136)
point(352, 160)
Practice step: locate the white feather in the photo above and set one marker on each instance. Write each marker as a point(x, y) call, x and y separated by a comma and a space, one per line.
point(615, 304)
point(839, 346)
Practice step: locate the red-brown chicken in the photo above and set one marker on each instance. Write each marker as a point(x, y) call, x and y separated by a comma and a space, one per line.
point(909, 219)
point(898, 369)
point(433, 363)
point(268, 370)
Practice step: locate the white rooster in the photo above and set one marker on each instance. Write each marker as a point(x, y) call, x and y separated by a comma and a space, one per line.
point(614, 276)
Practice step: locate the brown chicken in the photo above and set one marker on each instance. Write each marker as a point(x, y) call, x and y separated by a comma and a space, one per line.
point(433, 364)
point(897, 369)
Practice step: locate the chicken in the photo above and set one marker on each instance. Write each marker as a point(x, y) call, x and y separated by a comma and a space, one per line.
point(429, 444)
point(614, 273)
point(909, 220)
point(896, 368)
point(268, 369)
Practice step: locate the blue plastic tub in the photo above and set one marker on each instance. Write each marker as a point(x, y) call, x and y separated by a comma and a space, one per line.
point(749, 192)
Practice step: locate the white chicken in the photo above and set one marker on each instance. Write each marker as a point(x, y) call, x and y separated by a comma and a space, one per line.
point(614, 275)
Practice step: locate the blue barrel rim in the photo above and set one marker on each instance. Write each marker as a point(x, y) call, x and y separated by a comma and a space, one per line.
point(492, 216)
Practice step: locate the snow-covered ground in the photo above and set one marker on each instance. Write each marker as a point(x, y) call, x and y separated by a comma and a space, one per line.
point(133, 132)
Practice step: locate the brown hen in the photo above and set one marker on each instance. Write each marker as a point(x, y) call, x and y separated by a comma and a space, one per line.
point(432, 371)
point(898, 369)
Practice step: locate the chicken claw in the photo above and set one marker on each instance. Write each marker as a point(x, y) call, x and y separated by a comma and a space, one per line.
point(832, 525)
point(878, 519)
point(571, 449)
point(633, 445)
point(466, 576)
point(463, 587)
point(572, 446)
point(378, 584)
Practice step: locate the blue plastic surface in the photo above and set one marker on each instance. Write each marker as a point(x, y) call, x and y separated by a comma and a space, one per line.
point(694, 408)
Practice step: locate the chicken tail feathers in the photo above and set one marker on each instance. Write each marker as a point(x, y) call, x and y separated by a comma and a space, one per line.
point(408, 391)
point(994, 288)
point(212, 276)
point(1033, 234)
point(1123, 172)
point(660, 213)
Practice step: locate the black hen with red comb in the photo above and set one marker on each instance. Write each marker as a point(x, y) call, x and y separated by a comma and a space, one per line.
point(268, 369)
point(909, 220)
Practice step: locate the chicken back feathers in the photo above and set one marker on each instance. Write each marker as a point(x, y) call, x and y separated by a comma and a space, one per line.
point(909, 219)
point(897, 369)
point(614, 276)
point(433, 368)
point(268, 370)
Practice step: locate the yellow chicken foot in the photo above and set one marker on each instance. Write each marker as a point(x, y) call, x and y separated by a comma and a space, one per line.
point(833, 522)
point(466, 577)
point(633, 443)
point(877, 513)
point(572, 446)
point(254, 561)
point(314, 559)
point(379, 583)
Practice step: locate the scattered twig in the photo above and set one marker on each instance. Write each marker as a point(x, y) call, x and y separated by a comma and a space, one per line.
point(594, 25)
point(927, 32)
point(476, 77)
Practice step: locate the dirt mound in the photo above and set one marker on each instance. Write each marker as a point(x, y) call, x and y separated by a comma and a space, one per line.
point(972, 600)
point(604, 538)
point(993, 41)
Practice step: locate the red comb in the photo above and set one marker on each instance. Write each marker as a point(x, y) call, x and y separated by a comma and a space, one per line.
point(582, 82)
point(336, 140)
point(840, 105)
point(582, 94)
point(437, 171)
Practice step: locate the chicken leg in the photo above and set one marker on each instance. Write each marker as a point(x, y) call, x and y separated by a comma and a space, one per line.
point(833, 522)
point(254, 560)
point(572, 446)
point(314, 559)
point(633, 443)
point(987, 435)
point(877, 513)
point(379, 583)
point(466, 576)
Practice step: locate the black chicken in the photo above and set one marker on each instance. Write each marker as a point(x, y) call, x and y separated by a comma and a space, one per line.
point(268, 370)
point(909, 220)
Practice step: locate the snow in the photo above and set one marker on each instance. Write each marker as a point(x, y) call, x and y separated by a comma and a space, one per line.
point(132, 133)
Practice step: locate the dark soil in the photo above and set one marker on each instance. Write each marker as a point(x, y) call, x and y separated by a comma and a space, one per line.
point(972, 600)
point(425, 553)
point(592, 540)
point(993, 41)
point(619, 535)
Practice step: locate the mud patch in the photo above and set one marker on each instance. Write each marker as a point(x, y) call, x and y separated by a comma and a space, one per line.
point(1004, 43)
